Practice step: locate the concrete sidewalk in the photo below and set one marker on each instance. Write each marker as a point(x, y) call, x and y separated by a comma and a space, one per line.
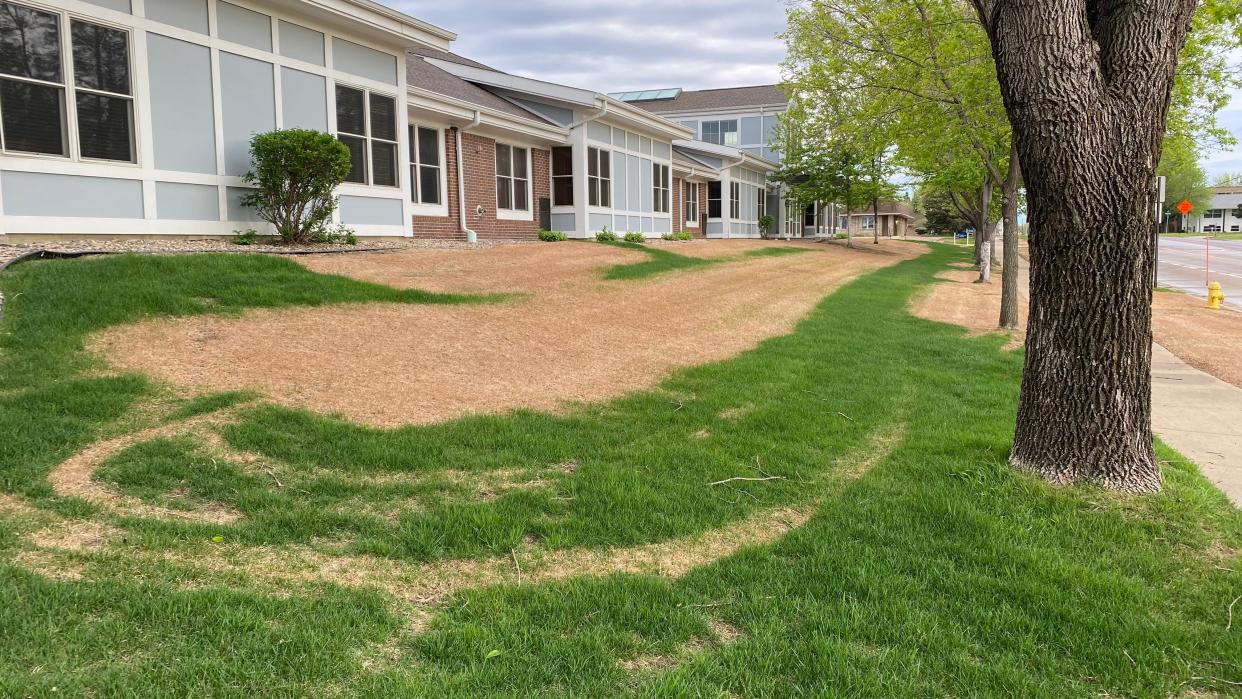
point(1201, 417)
point(1195, 413)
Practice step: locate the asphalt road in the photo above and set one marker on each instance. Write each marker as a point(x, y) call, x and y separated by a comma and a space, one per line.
point(1184, 263)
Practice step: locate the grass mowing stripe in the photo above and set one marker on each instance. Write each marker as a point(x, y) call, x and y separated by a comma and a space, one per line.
point(661, 261)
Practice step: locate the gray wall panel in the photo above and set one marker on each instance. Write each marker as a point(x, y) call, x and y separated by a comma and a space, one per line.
point(43, 194)
point(248, 98)
point(371, 211)
point(181, 105)
point(305, 100)
point(187, 14)
point(644, 169)
point(620, 182)
point(752, 130)
point(663, 225)
point(243, 26)
point(601, 221)
point(236, 211)
point(118, 5)
point(187, 202)
point(354, 59)
point(301, 43)
point(635, 183)
point(599, 132)
point(565, 223)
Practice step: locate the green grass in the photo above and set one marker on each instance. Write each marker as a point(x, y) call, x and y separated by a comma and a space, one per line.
point(661, 261)
point(941, 573)
point(51, 400)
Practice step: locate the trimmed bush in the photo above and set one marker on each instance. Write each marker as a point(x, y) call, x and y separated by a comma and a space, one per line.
point(295, 172)
point(606, 236)
point(682, 235)
point(633, 237)
point(248, 237)
point(552, 236)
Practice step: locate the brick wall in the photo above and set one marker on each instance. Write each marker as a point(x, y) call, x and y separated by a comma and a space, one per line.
point(479, 156)
point(679, 211)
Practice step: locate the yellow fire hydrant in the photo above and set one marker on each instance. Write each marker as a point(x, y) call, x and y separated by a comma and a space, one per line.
point(1215, 296)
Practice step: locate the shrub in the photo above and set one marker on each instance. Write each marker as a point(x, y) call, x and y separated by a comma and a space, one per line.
point(552, 236)
point(606, 236)
point(766, 222)
point(842, 235)
point(295, 172)
point(249, 237)
point(682, 235)
point(335, 235)
point(633, 237)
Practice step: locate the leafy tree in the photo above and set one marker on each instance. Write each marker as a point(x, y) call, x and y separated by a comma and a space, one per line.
point(1085, 407)
point(943, 218)
point(296, 172)
point(1186, 179)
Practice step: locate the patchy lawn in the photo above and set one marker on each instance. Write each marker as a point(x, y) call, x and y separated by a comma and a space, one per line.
point(827, 514)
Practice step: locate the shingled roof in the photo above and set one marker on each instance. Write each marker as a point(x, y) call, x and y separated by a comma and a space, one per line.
point(723, 98)
point(420, 73)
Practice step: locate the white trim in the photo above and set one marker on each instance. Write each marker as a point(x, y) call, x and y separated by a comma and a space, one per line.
point(419, 208)
point(527, 214)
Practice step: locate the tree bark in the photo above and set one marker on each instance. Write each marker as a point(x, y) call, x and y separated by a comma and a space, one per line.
point(1009, 214)
point(1087, 88)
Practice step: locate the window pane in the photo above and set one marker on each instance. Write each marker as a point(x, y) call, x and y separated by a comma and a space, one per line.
point(33, 117)
point(357, 158)
point(504, 162)
point(519, 163)
point(605, 167)
point(384, 164)
point(429, 184)
point(562, 161)
point(100, 58)
point(383, 118)
point(414, 183)
point(593, 162)
point(350, 108)
point(428, 146)
point(504, 195)
point(104, 127)
point(605, 193)
point(563, 191)
point(593, 192)
point(29, 43)
point(519, 196)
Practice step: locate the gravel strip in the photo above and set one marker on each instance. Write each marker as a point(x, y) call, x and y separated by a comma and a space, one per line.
point(174, 246)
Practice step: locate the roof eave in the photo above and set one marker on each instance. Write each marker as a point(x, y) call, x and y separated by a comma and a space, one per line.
point(380, 23)
point(458, 110)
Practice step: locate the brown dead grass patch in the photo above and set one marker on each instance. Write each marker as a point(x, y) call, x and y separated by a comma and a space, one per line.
point(959, 300)
point(1210, 341)
point(74, 477)
point(392, 364)
point(51, 565)
point(75, 535)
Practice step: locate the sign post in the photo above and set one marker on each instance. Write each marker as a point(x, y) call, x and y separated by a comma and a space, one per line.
point(1158, 210)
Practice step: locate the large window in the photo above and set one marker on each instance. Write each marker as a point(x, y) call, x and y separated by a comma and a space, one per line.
point(692, 204)
point(713, 200)
point(735, 200)
point(562, 176)
point(425, 164)
point(367, 124)
point(661, 188)
point(599, 177)
point(512, 178)
point(722, 133)
point(808, 216)
point(866, 223)
point(34, 95)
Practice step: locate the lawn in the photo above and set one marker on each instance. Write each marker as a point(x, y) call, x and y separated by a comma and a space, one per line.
point(662, 261)
point(829, 514)
point(1213, 236)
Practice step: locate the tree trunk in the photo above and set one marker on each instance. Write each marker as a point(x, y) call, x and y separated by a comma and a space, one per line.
point(1009, 214)
point(1087, 88)
point(875, 219)
point(983, 235)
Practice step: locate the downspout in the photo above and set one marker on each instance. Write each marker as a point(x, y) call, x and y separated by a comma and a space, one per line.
point(471, 236)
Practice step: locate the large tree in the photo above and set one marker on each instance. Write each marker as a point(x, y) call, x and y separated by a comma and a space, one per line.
point(1087, 86)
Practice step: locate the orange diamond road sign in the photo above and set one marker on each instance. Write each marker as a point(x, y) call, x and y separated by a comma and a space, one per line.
point(1185, 207)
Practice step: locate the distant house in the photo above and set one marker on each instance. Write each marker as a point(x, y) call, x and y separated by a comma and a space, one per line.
point(896, 219)
point(1222, 216)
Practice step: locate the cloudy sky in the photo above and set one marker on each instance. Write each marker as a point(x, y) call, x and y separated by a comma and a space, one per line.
point(620, 44)
point(645, 44)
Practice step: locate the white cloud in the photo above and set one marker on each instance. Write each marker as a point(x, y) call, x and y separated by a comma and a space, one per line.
point(621, 44)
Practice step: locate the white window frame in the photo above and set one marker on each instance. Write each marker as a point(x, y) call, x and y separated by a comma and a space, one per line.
point(601, 181)
point(737, 131)
point(866, 222)
point(69, 89)
point(420, 208)
point(369, 174)
point(528, 213)
point(690, 215)
point(661, 188)
point(553, 177)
